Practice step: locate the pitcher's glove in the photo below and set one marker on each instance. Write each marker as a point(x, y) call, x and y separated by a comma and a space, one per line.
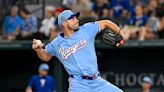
point(112, 39)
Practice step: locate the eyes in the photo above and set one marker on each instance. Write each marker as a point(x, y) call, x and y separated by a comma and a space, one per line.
point(73, 19)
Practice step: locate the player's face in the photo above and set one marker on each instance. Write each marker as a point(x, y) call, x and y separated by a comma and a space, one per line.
point(139, 10)
point(73, 24)
point(43, 72)
point(146, 86)
point(22, 14)
point(48, 14)
point(13, 12)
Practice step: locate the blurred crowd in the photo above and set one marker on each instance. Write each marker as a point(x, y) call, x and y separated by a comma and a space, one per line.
point(139, 19)
point(20, 24)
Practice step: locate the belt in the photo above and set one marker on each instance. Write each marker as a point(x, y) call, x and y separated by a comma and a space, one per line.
point(87, 77)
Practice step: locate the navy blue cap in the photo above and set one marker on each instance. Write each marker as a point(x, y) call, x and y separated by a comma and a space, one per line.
point(43, 67)
point(66, 15)
point(147, 80)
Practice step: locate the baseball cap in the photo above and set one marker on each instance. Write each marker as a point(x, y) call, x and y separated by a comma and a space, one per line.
point(44, 67)
point(147, 80)
point(58, 10)
point(49, 8)
point(66, 15)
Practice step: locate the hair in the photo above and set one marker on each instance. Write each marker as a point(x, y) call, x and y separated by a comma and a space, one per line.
point(14, 8)
point(49, 8)
point(160, 11)
point(142, 8)
point(139, 5)
point(25, 10)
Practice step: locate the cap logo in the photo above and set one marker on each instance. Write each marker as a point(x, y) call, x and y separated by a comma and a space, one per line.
point(63, 19)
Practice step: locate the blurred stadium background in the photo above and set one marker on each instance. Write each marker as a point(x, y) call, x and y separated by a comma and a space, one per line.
point(142, 54)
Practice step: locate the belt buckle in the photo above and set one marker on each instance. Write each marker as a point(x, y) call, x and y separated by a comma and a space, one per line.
point(90, 77)
point(94, 77)
point(87, 77)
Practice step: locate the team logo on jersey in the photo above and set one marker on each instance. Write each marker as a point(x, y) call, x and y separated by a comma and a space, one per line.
point(42, 82)
point(68, 51)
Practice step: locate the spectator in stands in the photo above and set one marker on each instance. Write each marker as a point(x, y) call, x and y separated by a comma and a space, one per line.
point(82, 6)
point(119, 10)
point(57, 11)
point(29, 25)
point(68, 3)
point(160, 15)
point(11, 24)
point(48, 23)
point(56, 31)
point(160, 30)
point(42, 82)
point(151, 7)
point(146, 84)
point(161, 1)
point(153, 22)
point(135, 26)
point(100, 10)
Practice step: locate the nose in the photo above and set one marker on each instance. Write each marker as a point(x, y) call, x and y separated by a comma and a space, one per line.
point(75, 19)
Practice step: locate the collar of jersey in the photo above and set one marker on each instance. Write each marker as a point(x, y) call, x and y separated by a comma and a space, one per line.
point(70, 37)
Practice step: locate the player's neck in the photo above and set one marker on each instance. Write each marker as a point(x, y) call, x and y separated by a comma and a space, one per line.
point(146, 90)
point(68, 33)
point(139, 16)
point(42, 75)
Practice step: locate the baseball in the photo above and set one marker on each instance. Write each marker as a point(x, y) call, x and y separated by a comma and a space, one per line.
point(39, 43)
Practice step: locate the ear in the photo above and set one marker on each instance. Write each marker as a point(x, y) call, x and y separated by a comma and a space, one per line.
point(64, 24)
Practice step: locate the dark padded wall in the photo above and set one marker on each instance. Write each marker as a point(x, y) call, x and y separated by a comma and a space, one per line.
point(16, 72)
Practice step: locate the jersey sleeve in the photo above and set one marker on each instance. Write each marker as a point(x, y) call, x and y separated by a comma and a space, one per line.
point(30, 84)
point(53, 85)
point(50, 49)
point(92, 29)
point(6, 23)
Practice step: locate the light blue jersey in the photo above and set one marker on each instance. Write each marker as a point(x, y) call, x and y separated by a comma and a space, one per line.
point(77, 53)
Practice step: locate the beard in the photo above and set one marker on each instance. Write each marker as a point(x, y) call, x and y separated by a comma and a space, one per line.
point(73, 27)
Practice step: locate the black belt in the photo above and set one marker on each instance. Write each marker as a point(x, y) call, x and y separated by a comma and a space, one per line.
point(88, 77)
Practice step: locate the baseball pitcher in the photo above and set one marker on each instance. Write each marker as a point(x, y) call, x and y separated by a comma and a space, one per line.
point(74, 47)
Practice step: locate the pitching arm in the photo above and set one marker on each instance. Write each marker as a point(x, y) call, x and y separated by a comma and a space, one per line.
point(42, 54)
point(107, 24)
point(29, 89)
